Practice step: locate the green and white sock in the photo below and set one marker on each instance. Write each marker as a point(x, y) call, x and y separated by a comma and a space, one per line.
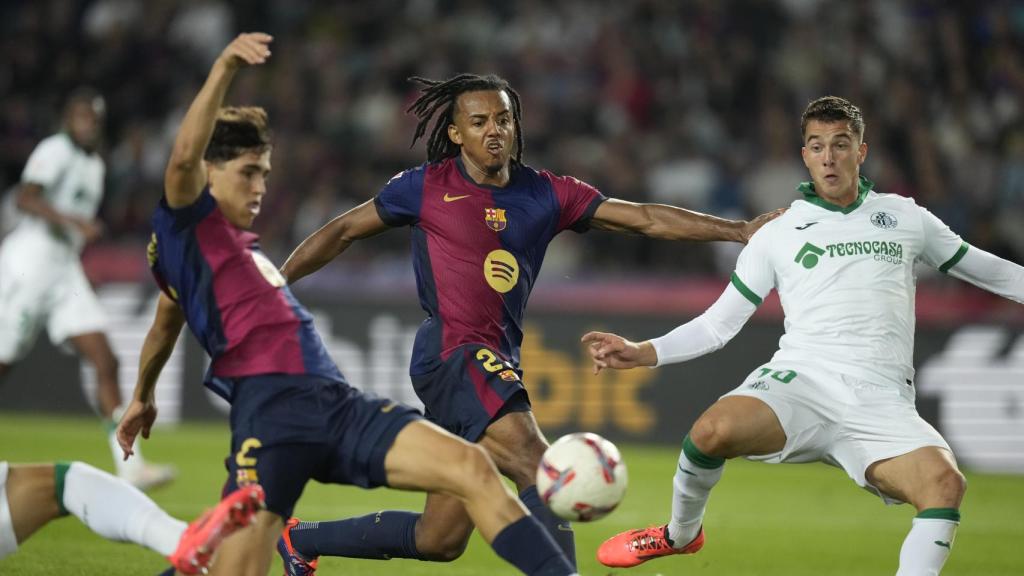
point(115, 509)
point(929, 542)
point(696, 474)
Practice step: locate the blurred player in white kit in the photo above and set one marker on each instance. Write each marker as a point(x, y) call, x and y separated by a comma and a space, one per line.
point(41, 279)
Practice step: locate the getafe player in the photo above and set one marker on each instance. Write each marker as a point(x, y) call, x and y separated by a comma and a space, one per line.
point(481, 222)
point(293, 415)
point(840, 390)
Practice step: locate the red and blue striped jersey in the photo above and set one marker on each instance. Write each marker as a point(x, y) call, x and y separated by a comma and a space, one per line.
point(477, 249)
point(234, 299)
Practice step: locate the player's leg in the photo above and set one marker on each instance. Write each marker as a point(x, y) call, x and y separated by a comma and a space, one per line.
point(107, 505)
point(425, 457)
point(26, 503)
point(516, 443)
point(95, 348)
point(442, 531)
point(929, 479)
point(439, 534)
point(735, 425)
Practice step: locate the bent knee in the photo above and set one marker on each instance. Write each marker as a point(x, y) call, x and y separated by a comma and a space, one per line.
point(522, 469)
point(713, 436)
point(950, 485)
point(474, 468)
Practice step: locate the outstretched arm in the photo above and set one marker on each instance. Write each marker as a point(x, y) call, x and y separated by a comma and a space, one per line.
point(156, 349)
point(988, 271)
point(184, 178)
point(334, 238)
point(705, 333)
point(671, 223)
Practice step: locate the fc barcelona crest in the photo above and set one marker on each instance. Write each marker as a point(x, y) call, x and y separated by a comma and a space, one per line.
point(495, 218)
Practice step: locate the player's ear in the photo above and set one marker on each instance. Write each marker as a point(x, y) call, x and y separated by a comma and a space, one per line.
point(862, 153)
point(454, 135)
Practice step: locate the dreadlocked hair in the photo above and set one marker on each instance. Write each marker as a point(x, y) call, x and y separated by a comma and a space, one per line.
point(441, 95)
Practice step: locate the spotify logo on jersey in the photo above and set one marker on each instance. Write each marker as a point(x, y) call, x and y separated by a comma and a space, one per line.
point(501, 270)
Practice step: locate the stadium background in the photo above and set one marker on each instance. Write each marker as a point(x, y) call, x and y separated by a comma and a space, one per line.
point(693, 103)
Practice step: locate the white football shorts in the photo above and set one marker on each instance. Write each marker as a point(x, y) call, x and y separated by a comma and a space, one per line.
point(8, 541)
point(839, 420)
point(41, 284)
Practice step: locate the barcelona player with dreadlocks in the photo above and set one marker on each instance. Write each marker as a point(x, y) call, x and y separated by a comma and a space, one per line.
point(481, 222)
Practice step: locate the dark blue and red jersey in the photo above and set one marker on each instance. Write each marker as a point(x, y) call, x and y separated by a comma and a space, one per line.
point(477, 249)
point(235, 301)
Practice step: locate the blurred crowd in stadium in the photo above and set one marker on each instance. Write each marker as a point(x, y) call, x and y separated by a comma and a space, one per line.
point(690, 102)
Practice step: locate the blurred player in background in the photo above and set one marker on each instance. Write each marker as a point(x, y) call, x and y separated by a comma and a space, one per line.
point(31, 495)
point(293, 415)
point(41, 279)
point(481, 222)
point(840, 389)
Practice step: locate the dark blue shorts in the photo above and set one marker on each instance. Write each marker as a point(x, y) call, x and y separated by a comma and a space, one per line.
point(287, 429)
point(472, 388)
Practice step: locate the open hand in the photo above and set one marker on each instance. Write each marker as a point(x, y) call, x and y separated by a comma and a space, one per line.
point(613, 351)
point(754, 225)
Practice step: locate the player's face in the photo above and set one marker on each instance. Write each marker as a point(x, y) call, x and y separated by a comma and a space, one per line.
point(833, 154)
point(83, 124)
point(239, 186)
point(485, 129)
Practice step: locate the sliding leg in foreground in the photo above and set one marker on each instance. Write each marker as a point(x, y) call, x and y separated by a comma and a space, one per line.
point(32, 495)
point(465, 490)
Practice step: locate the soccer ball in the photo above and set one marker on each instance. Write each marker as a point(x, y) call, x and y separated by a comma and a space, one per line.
point(582, 477)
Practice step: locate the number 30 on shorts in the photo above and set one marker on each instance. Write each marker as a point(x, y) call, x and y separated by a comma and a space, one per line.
point(784, 376)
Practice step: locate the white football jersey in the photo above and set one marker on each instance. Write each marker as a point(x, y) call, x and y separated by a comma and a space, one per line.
point(72, 182)
point(845, 277)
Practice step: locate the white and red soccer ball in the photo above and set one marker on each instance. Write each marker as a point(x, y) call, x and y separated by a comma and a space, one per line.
point(582, 477)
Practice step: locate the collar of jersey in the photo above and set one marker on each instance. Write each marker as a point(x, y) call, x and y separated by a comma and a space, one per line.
point(863, 187)
point(511, 176)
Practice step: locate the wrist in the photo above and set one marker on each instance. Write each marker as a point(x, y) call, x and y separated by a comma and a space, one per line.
point(648, 354)
point(740, 231)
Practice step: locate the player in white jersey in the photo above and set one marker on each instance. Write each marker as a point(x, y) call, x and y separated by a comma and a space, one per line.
point(840, 388)
point(41, 279)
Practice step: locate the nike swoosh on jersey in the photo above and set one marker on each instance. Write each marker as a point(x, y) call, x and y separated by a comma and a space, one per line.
point(805, 226)
point(448, 198)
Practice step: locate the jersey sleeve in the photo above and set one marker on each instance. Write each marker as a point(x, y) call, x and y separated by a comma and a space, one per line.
point(398, 203)
point(943, 248)
point(188, 216)
point(153, 257)
point(754, 277)
point(707, 332)
point(47, 163)
point(577, 202)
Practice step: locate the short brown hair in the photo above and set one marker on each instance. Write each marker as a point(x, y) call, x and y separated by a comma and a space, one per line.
point(238, 130)
point(833, 109)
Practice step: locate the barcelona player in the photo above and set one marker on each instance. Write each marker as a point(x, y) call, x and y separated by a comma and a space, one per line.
point(481, 222)
point(293, 415)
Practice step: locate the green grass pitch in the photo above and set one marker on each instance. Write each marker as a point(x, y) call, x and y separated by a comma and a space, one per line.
point(763, 519)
